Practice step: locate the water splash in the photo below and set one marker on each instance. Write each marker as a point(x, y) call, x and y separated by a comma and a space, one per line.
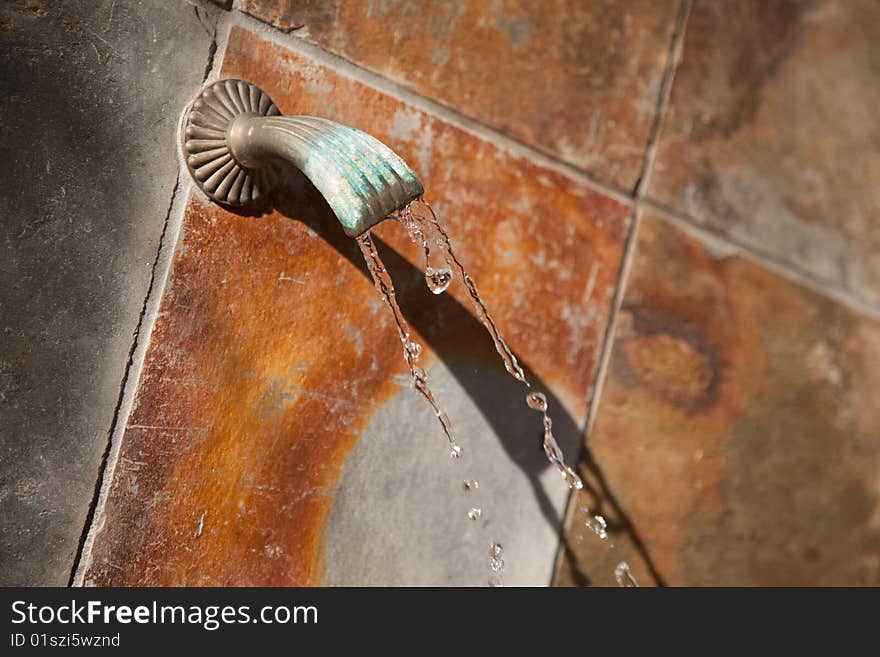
point(624, 576)
point(475, 514)
point(411, 350)
point(469, 485)
point(426, 231)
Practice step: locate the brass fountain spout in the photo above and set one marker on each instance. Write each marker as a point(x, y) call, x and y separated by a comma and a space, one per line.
point(232, 132)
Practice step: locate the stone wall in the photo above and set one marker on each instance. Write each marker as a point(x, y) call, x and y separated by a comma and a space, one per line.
point(669, 216)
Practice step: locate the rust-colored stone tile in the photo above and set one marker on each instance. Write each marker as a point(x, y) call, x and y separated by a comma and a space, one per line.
point(772, 131)
point(738, 428)
point(271, 352)
point(576, 80)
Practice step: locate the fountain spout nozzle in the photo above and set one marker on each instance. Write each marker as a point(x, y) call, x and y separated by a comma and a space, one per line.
point(232, 132)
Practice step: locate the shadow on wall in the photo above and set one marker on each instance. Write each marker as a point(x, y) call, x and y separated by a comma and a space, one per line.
point(445, 323)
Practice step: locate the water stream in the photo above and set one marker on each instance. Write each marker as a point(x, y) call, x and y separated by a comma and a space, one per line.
point(441, 265)
point(425, 230)
point(411, 350)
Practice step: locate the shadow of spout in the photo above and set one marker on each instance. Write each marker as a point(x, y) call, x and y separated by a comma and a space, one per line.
point(446, 325)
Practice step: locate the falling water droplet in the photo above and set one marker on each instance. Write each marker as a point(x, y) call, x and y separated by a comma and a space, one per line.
point(470, 485)
point(455, 451)
point(537, 401)
point(623, 576)
point(475, 513)
point(438, 280)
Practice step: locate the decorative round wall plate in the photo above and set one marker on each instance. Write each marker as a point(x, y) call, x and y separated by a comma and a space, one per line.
point(206, 148)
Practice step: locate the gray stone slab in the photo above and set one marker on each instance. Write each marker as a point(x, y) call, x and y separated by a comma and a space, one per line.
point(90, 95)
point(400, 513)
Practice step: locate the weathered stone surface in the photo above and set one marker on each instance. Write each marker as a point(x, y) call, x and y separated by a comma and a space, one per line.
point(89, 99)
point(273, 356)
point(737, 429)
point(772, 134)
point(577, 80)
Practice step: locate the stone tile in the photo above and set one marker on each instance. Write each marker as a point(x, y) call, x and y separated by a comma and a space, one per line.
point(576, 80)
point(772, 131)
point(737, 429)
point(88, 164)
point(272, 359)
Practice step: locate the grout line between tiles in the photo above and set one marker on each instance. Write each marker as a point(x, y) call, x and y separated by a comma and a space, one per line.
point(131, 374)
point(728, 245)
point(662, 102)
point(626, 261)
point(674, 56)
point(347, 68)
